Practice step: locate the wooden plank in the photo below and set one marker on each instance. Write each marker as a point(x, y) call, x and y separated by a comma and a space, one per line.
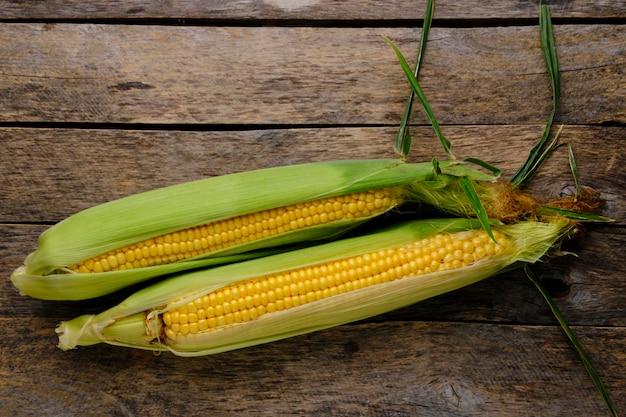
point(253, 10)
point(49, 174)
point(301, 75)
point(401, 369)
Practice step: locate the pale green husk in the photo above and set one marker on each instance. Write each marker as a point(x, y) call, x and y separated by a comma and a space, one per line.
point(136, 321)
point(118, 223)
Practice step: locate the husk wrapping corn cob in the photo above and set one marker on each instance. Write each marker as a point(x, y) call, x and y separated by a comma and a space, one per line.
point(225, 219)
point(292, 293)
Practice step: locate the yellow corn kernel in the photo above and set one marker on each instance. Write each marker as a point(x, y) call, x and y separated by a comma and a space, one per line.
point(207, 238)
point(273, 293)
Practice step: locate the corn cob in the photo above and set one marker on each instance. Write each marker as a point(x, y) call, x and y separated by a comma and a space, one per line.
point(291, 293)
point(224, 219)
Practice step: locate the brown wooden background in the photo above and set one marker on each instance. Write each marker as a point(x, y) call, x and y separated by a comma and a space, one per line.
point(99, 101)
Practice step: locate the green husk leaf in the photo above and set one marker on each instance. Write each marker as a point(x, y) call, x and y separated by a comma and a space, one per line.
point(479, 209)
point(69, 286)
point(402, 145)
point(132, 219)
point(572, 338)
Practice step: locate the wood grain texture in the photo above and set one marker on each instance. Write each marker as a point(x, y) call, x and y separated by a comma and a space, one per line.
point(302, 75)
point(100, 101)
point(316, 10)
point(400, 369)
point(110, 164)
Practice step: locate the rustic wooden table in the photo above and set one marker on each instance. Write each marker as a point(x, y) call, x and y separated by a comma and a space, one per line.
point(99, 101)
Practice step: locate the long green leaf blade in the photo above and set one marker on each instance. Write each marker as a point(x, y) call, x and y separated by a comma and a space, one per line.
point(572, 165)
point(422, 97)
point(548, 46)
point(402, 145)
point(494, 169)
point(479, 209)
point(573, 215)
point(570, 335)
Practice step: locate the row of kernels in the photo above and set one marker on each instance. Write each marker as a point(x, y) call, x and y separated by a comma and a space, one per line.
point(307, 285)
point(314, 283)
point(194, 241)
point(376, 266)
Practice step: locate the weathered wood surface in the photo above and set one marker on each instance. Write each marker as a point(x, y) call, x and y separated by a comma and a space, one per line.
point(301, 75)
point(399, 369)
point(304, 10)
point(93, 108)
point(109, 164)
